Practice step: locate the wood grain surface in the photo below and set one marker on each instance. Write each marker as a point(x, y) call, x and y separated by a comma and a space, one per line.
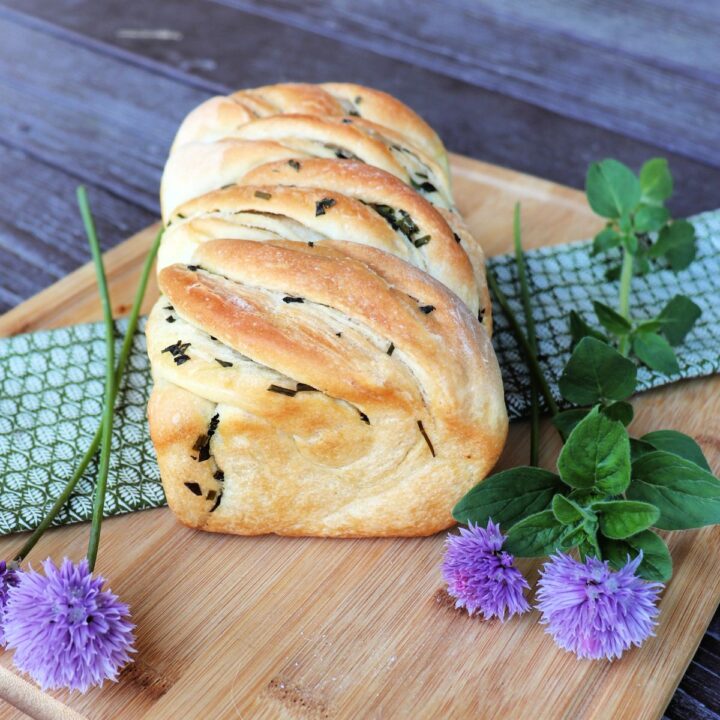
point(232, 627)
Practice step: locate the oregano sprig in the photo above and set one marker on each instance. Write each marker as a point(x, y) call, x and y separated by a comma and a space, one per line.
point(639, 225)
point(610, 490)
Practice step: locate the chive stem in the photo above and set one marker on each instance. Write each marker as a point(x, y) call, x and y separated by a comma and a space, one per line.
point(531, 337)
point(95, 442)
point(626, 274)
point(107, 421)
point(533, 365)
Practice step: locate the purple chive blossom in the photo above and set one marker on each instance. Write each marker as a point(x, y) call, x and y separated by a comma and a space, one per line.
point(594, 611)
point(481, 576)
point(8, 577)
point(66, 631)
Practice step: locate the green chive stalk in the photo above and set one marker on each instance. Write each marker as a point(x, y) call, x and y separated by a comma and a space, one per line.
point(534, 366)
point(107, 421)
point(531, 337)
point(626, 274)
point(95, 443)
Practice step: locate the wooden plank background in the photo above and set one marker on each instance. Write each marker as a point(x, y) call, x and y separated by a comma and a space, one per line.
point(544, 87)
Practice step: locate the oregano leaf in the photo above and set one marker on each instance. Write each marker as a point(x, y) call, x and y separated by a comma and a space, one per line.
point(625, 224)
point(620, 410)
point(605, 240)
point(509, 496)
point(686, 495)
point(650, 325)
point(611, 320)
point(677, 443)
point(638, 448)
point(579, 329)
point(566, 420)
point(585, 496)
point(612, 188)
point(656, 352)
point(656, 181)
point(596, 372)
point(588, 545)
point(596, 455)
point(567, 511)
point(650, 218)
point(678, 318)
point(656, 563)
point(677, 243)
point(536, 535)
point(575, 535)
point(620, 519)
point(642, 264)
point(631, 243)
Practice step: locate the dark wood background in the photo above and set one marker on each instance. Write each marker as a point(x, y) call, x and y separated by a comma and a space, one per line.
point(92, 91)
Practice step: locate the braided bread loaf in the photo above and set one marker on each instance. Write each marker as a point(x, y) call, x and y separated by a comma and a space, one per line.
point(318, 363)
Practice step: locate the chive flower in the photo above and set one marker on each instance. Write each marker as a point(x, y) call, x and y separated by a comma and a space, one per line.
point(8, 578)
point(481, 576)
point(593, 611)
point(67, 632)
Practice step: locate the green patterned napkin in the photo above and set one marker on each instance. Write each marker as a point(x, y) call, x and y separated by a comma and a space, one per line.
point(51, 382)
point(567, 277)
point(51, 390)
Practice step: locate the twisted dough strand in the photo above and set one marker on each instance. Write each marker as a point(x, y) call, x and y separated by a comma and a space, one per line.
point(318, 364)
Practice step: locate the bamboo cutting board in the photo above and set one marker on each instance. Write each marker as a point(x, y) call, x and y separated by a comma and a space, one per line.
point(270, 627)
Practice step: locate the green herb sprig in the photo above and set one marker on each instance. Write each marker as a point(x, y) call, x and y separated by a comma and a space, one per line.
point(639, 225)
point(610, 490)
point(109, 399)
point(95, 443)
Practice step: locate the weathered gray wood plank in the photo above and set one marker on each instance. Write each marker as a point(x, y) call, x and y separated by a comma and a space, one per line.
point(69, 107)
point(527, 57)
point(474, 121)
point(684, 706)
point(41, 235)
point(681, 37)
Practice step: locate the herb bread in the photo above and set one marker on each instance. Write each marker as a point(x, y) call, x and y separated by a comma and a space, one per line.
point(318, 362)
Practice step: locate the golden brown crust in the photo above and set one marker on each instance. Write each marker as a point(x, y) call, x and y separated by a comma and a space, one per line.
point(448, 240)
point(342, 217)
point(319, 468)
point(381, 108)
point(318, 365)
point(360, 194)
point(197, 168)
point(218, 116)
point(212, 120)
point(387, 133)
